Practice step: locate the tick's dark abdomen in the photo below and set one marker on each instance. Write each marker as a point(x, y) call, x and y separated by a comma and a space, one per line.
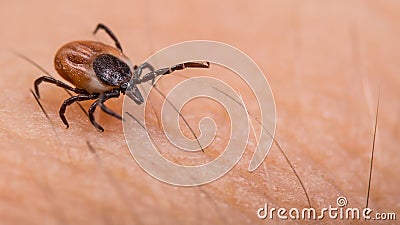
point(111, 70)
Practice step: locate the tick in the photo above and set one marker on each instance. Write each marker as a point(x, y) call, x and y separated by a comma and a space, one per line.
point(100, 72)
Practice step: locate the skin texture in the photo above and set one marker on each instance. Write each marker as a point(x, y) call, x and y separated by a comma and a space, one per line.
point(324, 61)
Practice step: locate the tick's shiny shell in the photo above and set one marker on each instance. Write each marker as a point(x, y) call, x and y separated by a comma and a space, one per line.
point(74, 62)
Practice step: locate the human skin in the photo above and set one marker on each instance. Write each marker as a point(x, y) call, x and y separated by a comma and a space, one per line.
point(325, 62)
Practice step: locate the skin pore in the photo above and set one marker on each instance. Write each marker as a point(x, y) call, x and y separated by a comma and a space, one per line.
point(323, 60)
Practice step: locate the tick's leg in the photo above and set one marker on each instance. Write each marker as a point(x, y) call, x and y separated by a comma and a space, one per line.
point(104, 97)
point(145, 65)
point(71, 100)
point(58, 83)
point(139, 69)
point(91, 116)
point(165, 71)
point(110, 33)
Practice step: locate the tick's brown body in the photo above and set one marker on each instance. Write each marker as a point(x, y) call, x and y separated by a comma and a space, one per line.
point(99, 71)
point(74, 62)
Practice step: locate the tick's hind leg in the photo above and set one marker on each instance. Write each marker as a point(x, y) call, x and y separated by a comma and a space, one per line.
point(56, 82)
point(71, 100)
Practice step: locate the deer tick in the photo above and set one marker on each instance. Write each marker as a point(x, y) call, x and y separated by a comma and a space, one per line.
point(100, 72)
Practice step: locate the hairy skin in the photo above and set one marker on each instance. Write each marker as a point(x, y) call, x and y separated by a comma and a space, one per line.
point(323, 60)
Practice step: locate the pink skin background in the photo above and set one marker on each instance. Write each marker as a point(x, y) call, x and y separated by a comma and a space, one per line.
point(324, 61)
